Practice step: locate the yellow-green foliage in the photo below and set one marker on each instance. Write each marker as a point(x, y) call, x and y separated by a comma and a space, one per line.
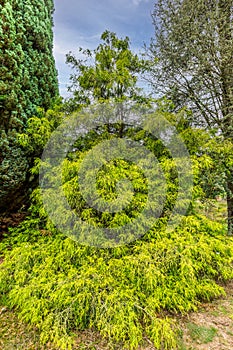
point(124, 293)
point(124, 202)
point(106, 182)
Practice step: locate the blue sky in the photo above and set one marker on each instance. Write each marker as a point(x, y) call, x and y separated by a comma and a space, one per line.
point(80, 23)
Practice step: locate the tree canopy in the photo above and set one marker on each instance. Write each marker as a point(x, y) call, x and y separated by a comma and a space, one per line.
point(28, 80)
point(192, 53)
point(108, 72)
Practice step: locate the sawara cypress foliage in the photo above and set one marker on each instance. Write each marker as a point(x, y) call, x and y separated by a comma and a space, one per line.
point(28, 80)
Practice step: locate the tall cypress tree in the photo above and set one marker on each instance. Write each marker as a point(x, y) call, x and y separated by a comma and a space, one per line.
point(28, 79)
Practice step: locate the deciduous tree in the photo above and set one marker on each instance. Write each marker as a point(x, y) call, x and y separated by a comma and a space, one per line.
point(108, 72)
point(193, 55)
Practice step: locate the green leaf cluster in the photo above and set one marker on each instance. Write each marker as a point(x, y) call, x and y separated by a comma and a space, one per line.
point(108, 72)
point(125, 293)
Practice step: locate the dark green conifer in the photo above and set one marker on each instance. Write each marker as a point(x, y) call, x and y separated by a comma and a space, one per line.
point(28, 79)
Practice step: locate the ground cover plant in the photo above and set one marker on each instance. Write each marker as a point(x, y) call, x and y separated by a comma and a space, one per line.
point(124, 293)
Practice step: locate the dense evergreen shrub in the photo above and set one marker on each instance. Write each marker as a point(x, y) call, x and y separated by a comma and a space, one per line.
point(28, 79)
point(124, 293)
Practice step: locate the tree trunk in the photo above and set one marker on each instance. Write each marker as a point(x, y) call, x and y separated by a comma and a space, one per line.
point(230, 207)
point(226, 55)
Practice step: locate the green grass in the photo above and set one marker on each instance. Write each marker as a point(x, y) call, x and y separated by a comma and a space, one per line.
point(201, 334)
point(180, 343)
point(223, 310)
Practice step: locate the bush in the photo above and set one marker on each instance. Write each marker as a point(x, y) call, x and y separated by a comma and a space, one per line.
point(125, 292)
